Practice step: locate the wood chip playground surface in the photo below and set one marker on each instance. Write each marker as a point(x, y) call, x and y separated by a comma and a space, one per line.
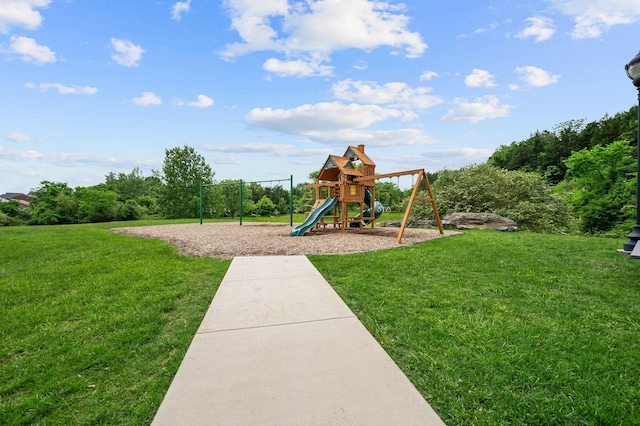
point(227, 240)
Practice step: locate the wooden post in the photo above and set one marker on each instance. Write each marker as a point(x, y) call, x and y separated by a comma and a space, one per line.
point(409, 206)
point(372, 206)
point(421, 175)
point(436, 215)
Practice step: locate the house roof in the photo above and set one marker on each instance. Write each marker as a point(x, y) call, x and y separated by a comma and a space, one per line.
point(21, 199)
point(15, 196)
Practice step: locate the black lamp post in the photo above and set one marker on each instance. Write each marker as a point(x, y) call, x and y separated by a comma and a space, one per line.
point(633, 72)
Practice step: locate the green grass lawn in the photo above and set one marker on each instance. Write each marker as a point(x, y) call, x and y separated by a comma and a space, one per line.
point(94, 324)
point(505, 328)
point(492, 328)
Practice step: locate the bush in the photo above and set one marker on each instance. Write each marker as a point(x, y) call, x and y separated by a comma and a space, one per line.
point(265, 206)
point(129, 210)
point(13, 213)
point(520, 196)
point(149, 203)
point(97, 204)
point(6, 220)
point(43, 214)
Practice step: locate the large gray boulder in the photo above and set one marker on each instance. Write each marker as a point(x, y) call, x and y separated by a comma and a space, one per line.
point(462, 221)
point(478, 220)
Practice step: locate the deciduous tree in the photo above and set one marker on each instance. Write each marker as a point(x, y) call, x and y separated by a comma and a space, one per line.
point(604, 185)
point(182, 173)
point(53, 203)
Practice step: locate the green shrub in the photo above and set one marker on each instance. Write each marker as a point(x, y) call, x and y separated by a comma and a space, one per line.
point(6, 220)
point(265, 206)
point(13, 213)
point(129, 210)
point(524, 197)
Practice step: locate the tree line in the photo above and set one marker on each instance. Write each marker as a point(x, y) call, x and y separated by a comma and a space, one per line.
point(171, 193)
point(578, 177)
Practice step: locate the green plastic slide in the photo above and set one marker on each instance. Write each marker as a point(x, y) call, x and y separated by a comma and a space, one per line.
point(314, 217)
point(377, 211)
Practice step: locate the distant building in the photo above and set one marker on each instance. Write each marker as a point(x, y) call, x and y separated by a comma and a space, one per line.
point(23, 199)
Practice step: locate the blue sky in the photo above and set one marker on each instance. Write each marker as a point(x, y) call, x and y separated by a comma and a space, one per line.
point(265, 89)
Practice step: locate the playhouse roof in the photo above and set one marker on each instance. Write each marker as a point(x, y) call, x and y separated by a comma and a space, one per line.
point(357, 153)
point(334, 166)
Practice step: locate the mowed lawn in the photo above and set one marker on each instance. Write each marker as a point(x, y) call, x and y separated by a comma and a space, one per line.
point(506, 328)
point(492, 328)
point(94, 324)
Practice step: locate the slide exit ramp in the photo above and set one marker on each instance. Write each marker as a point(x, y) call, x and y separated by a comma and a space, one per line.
point(314, 217)
point(378, 210)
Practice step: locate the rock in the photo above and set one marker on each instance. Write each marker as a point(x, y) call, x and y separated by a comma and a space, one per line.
point(410, 224)
point(479, 220)
point(461, 221)
point(389, 224)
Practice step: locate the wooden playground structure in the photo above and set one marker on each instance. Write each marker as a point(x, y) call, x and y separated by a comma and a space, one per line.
point(351, 179)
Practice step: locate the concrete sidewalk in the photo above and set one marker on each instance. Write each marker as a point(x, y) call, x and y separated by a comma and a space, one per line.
point(279, 347)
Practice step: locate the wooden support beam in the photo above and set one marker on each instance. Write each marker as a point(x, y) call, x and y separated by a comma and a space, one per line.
point(409, 206)
point(388, 175)
point(436, 215)
point(421, 174)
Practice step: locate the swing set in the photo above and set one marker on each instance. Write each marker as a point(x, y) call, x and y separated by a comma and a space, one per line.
point(350, 179)
point(241, 185)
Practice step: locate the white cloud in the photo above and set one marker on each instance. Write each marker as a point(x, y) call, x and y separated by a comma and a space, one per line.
point(279, 150)
point(360, 65)
point(226, 160)
point(251, 148)
point(203, 101)
point(63, 159)
point(447, 158)
point(297, 68)
point(22, 155)
point(394, 137)
point(314, 30)
point(480, 78)
point(593, 17)
point(536, 77)
point(428, 75)
point(470, 155)
point(317, 118)
point(338, 124)
point(481, 109)
point(32, 51)
point(62, 89)
point(540, 28)
point(394, 94)
point(329, 25)
point(179, 8)
point(19, 137)
point(492, 26)
point(21, 13)
point(126, 53)
point(466, 153)
point(252, 22)
point(147, 99)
